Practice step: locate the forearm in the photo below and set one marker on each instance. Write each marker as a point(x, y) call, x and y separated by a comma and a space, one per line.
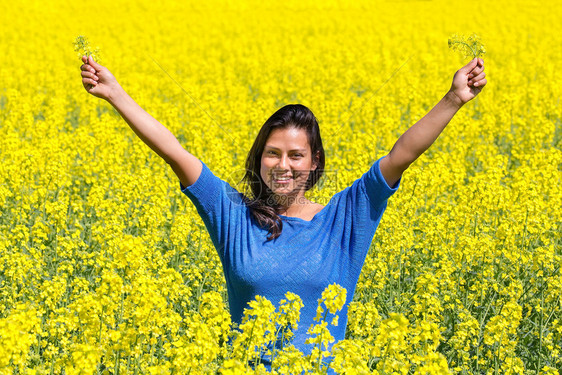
point(419, 137)
point(147, 128)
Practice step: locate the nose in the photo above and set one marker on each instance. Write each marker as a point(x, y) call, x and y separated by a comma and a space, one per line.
point(284, 163)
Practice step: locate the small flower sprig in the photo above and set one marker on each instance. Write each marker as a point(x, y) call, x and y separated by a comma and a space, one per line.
point(82, 47)
point(333, 299)
point(470, 46)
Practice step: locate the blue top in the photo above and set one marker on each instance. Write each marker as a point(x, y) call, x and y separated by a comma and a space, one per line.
point(307, 256)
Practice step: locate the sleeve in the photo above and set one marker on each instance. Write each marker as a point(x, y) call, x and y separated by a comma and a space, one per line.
point(366, 201)
point(216, 202)
point(375, 186)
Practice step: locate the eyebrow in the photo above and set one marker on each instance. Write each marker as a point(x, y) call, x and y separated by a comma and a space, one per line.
point(296, 149)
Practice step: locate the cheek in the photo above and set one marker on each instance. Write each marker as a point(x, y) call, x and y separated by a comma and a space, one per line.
point(264, 169)
point(304, 166)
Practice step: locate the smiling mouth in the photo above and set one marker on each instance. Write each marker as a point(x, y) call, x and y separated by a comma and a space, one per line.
point(282, 181)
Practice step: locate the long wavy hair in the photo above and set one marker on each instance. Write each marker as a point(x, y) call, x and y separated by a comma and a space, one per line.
point(263, 207)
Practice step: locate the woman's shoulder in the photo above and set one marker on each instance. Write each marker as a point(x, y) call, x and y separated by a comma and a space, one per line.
point(313, 209)
point(212, 189)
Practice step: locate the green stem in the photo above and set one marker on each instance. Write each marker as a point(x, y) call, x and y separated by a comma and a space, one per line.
point(248, 346)
point(320, 344)
point(540, 331)
point(468, 45)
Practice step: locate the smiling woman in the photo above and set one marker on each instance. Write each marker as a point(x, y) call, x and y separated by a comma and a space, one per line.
point(286, 166)
point(286, 160)
point(276, 241)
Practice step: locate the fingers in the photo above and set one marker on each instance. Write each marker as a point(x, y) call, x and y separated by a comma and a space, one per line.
point(88, 74)
point(93, 63)
point(476, 76)
point(476, 71)
point(90, 62)
point(481, 83)
point(470, 66)
point(88, 68)
point(89, 81)
point(87, 65)
point(89, 77)
point(473, 68)
point(476, 80)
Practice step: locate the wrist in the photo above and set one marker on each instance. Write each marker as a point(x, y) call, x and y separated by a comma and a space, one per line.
point(115, 94)
point(453, 99)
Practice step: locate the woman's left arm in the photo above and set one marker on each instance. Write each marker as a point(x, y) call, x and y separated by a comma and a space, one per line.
point(467, 83)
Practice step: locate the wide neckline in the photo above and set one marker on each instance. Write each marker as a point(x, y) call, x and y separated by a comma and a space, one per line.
point(303, 220)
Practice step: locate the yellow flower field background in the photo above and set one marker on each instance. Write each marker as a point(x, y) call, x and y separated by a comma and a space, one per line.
point(105, 267)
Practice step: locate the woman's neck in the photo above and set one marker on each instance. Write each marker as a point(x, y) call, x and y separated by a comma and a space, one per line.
point(291, 205)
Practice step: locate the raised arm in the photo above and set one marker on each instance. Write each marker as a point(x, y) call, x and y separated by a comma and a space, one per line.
point(467, 83)
point(99, 81)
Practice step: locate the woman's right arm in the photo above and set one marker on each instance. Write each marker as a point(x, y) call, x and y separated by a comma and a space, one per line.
point(99, 81)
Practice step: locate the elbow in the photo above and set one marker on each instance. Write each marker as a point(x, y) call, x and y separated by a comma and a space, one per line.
point(401, 160)
point(172, 153)
point(167, 159)
point(404, 153)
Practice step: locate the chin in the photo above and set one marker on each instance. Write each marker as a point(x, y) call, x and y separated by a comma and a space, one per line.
point(282, 191)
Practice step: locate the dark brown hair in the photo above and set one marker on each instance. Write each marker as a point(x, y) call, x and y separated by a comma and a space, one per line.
point(263, 207)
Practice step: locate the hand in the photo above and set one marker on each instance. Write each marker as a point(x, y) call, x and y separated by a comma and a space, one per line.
point(97, 79)
point(469, 81)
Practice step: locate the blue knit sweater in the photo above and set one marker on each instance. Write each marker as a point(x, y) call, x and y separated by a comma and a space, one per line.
point(307, 256)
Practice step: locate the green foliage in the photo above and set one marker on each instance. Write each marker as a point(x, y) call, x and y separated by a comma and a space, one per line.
point(470, 46)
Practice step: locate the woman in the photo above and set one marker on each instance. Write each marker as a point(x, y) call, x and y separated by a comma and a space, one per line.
point(278, 241)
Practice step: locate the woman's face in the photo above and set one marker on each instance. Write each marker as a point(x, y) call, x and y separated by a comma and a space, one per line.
point(286, 161)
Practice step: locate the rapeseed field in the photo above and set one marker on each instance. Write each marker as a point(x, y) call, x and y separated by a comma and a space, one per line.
point(106, 268)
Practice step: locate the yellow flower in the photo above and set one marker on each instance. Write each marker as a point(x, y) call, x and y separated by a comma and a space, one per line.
point(100, 253)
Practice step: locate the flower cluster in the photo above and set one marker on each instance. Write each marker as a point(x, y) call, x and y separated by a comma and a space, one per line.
point(470, 46)
point(82, 48)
